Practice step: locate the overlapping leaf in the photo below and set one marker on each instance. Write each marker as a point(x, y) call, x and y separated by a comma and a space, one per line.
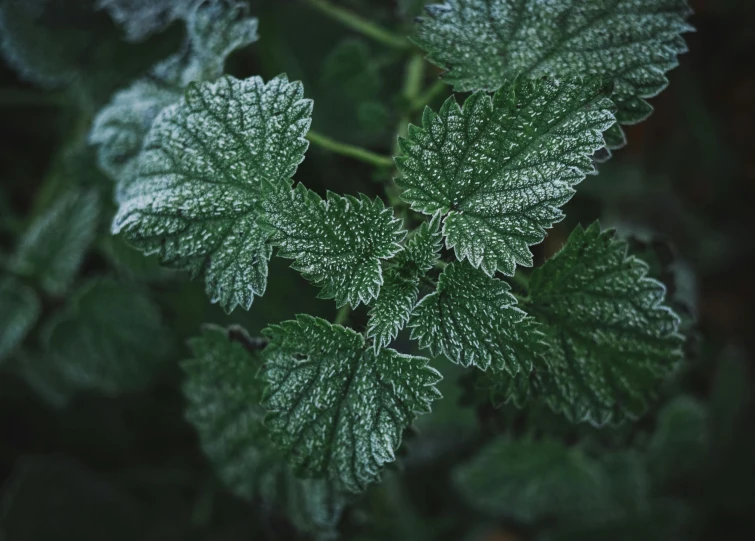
point(484, 43)
point(499, 168)
point(19, 311)
point(336, 407)
point(52, 249)
point(336, 243)
point(611, 338)
point(141, 18)
point(473, 320)
point(196, 199)
point(224, 395)
point(398, 295)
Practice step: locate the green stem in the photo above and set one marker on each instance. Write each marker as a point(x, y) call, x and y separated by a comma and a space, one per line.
point(342, 315)
point(361, 25)
point(358, 153)
point(415, 72)
point(428, 95)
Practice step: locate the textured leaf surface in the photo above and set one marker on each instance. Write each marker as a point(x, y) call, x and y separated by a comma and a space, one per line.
point(214, 29)
point(612, 339)
point(52, 249)
point(110, 338)
point(473, 320)
point(484, 43)
point(499, 168)
point(140, 18)
point(224, 395)
point(336, 407)
point(336, 243)
point(19, 311)
point(196, 199)
point(398, 295)
point(529, 481)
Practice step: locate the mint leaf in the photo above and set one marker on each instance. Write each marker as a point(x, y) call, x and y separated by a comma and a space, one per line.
point(52, 249)
point(398, 295)
point(214, 30)
point(499, 168)
point(611, 338)
point(484, 43)
point(336, 407)
point(336, 243)
point(110, 338)
point(196, 199)
point(19, 311)
point(140, 18)
point(533, 480)
point(473, 320)
point(224, 395)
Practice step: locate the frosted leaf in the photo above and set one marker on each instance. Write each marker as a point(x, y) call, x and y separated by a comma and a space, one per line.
point(499, 168)
point(109, 338)
point(398, 295)
point(141, 18)
point(196, 198)
point(473, 320)
point(223, 394)
point(335, 407)
point(19, 311)
point(484, 43)
point(531, 480)
point(336, 243)
point(52, 249)
point(215, 29)
point(612, 339)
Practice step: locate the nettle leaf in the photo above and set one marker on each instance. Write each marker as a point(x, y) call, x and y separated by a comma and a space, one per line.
point(214, 30)
point(224, 394)
point(473, 320)
point(499, 168)
point(336, 243)
point(611, 338)
point(52, 249)
point(196, 199)
point(484, 43)
point(110, 338)
point(398, 294)
point(141, 18)
point(533, 480)
point(336, 407)
point(19, 311)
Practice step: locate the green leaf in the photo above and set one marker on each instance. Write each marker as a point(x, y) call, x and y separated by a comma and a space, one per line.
point(19, 311)
point(196, 199)
point(336, 407)
point(53, 247)
point(473, 320)
point(611, 338)
point(215, 29)
point(483, 43)
point(398, 295)
point(224, 396)
point(530, 481)
point(499, 168)
point(141, 18)
point(110, 338)
point(336, 243)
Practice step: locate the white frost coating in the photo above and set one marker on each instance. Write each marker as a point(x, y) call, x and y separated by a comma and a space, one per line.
point(499, 168)
point(337, 408)
point(483, 43)
point(140, 18)
point(196, 197)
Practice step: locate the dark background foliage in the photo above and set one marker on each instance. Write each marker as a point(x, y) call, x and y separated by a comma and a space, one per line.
point(130, 466)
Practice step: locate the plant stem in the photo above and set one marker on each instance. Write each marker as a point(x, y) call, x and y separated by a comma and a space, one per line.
point(342, 315)
point(427, 96)
point(361, 25)
point(358, 153)
point(415, 71)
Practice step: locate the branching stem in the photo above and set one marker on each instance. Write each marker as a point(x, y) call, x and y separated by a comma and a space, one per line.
point(342, 315)
point(427, 96)
point(358, 153)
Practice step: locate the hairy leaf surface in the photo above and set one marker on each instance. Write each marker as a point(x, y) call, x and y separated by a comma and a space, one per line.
point(612, 339)
point(224, 395)
point(336, 407)
point(336, 243)
point(484, 43)
point(398, 295)
point(196, 199)
point(473, 320)
point(52, 249)
point(19, 311)
point(499, 168)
